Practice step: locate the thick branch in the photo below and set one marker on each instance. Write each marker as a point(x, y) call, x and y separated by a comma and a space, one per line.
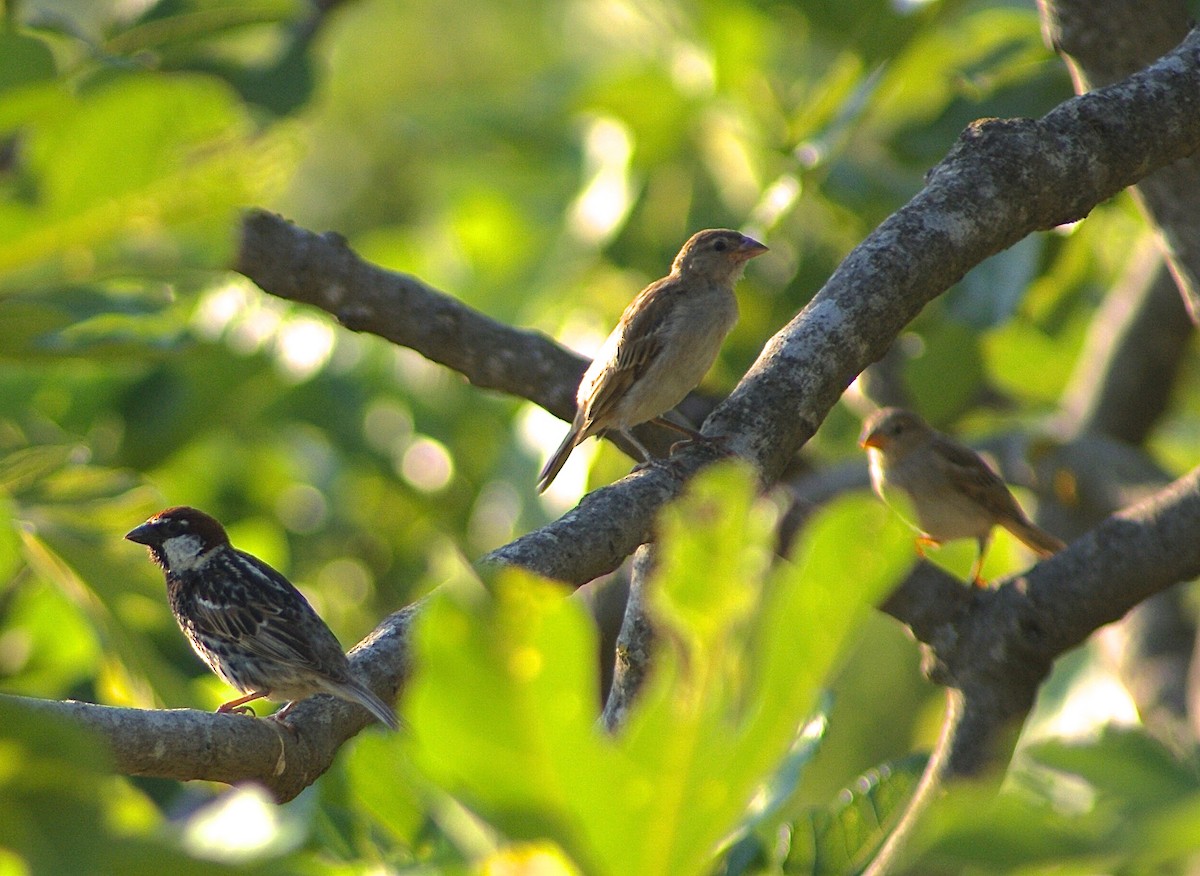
point(321, 270)
point(1105, 42)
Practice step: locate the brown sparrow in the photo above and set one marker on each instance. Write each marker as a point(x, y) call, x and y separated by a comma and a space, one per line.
point(953, 492)
point(665, 342)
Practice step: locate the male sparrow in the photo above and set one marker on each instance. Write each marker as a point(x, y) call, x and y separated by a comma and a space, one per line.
point(663, 345)
point(953, 492)
point(247, 621)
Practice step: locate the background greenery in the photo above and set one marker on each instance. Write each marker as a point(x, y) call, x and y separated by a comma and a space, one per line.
point(541, 161)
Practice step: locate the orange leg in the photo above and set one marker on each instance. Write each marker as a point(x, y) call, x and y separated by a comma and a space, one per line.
point(923, 542)
point(238, 707)
point(279, 716)
point(977, 569)
point(287, 708)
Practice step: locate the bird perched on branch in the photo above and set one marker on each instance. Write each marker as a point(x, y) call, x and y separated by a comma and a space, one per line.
point(665, 342)
point(246, 620)
point(953, 492)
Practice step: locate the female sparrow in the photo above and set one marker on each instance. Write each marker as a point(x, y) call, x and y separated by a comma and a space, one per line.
point(663, 345)
point(953, 492)
point(247, 621)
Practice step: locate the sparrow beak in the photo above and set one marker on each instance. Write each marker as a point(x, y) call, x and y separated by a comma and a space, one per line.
point(144, 534)
point(748, 249)
point(871, 439)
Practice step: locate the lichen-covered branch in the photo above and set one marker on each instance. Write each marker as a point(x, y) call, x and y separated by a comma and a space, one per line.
point(1105, 42)
point(321, 270)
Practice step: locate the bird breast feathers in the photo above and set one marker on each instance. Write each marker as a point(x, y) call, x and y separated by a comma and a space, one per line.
point(651, 324)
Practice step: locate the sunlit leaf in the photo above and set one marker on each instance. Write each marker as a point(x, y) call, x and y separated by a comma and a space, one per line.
point(1124, 765)
point(144, 169)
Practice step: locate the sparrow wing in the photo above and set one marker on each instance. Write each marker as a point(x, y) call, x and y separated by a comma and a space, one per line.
point(266, 615)
point(640, 336)
point(974, 477)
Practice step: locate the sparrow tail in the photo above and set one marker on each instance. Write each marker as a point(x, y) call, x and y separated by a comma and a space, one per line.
point(555, 463)
point(1034, 537)
point(360, 694)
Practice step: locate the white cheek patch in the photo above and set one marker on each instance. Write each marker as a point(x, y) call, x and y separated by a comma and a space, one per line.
point(183, 552)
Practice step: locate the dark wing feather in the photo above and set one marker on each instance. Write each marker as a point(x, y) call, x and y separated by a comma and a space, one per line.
point(270, 618)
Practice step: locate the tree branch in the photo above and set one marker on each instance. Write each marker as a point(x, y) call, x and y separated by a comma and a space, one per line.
point(1002, 180)
point(993, 648)
point(1138, 342)
point(1107, 42)
point(635, 643)
point(287, 757)
point(1136, 345)
point(321, 270)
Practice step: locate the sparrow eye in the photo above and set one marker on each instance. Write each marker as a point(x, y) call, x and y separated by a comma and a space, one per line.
point(720, 246)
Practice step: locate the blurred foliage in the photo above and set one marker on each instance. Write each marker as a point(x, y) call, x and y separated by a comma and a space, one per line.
point(1117, 803)
point(503, 709)
point(541, 161)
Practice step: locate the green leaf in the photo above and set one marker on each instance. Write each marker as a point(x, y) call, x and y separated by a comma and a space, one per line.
point(77, 321)
point(945, 376)
point(716, 545)
point(1125, 765)
point(505, 700)
point(28, 466)
point(1083, 807)
point(142, 170)
point(23, 59)
point(843, 837)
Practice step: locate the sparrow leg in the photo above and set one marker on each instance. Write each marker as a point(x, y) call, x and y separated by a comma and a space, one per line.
point(648, 458)
point(678, 427)
point(692, 435)
point(238, 707)
point(278, 717)
point(977, 569)
point(720, 442)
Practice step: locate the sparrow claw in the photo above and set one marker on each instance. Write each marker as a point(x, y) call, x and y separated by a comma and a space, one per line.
point(646, 463)
point(716, 442)
point(277, 720)
point(236, 710)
